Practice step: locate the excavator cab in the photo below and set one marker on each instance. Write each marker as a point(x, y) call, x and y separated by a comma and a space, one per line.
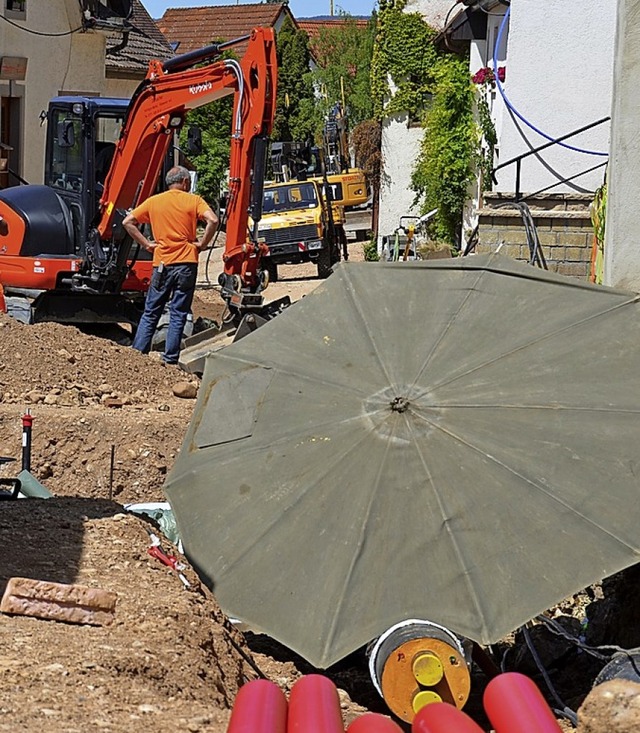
point(83, 132)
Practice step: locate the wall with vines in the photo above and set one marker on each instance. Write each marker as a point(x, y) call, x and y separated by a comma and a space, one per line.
point(410, 76)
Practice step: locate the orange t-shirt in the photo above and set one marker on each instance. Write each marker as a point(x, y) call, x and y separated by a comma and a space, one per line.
point(173, 216)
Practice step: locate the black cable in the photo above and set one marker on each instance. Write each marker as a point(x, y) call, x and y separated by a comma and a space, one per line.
point(536, 255)
point(563, 709)
point(39, 33)
point(596, 652)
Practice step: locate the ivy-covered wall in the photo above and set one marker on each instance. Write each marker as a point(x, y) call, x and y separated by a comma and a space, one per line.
point(412, 79)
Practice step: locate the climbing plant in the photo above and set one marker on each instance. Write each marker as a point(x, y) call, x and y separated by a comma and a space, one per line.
point(410, 76)
point(403, 58)
point(449, 149)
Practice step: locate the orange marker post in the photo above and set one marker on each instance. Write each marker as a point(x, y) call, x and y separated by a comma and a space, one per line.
point(373, 723)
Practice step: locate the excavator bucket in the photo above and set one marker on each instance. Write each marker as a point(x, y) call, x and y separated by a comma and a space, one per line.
point(65, 306)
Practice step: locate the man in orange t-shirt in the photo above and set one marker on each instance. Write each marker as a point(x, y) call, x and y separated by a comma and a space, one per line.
point(173, 216)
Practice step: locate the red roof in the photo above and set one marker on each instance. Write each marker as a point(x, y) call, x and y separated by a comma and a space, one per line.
point(193, 28)
point(313, 27)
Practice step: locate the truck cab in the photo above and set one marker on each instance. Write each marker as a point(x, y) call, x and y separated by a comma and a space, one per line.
point(297, 227)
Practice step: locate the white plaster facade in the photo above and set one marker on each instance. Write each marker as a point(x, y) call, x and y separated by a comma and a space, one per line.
point(55, 64)
point(401, 142)
point(622, 239)
point(61, 58)
point(559, 77)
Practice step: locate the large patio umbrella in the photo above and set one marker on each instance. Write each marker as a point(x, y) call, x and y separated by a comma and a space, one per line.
point(456, 440)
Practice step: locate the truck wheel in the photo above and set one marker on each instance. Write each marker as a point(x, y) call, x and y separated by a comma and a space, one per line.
point(271, 268)
point(324, 263)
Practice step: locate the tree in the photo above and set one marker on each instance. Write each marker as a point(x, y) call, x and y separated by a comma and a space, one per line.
point(296, 115)
point(343, 52)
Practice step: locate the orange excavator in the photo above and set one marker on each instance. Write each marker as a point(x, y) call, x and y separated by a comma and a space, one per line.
point(65, 248)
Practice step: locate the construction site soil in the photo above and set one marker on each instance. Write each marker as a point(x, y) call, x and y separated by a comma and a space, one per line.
point(107, 428)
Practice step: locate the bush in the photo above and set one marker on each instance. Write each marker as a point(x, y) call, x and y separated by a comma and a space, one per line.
point(371, 251)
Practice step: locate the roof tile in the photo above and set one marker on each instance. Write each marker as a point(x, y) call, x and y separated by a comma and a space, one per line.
point(193, 28)
point(145, 42)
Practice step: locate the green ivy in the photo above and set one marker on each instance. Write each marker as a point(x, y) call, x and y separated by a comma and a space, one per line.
point(436, 88)
point(405, 54)
point(449, 149)
point(488, 131)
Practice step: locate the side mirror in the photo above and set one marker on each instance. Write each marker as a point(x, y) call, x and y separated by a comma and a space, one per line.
point(194, 141)
point(66, 135)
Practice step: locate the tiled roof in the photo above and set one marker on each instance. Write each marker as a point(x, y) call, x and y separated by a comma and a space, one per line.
point(312, 27)
point(145, 42)
point(193, 28)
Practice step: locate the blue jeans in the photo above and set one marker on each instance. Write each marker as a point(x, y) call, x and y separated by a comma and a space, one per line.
point(168, 282)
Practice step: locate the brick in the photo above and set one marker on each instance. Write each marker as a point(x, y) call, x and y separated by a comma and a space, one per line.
point(76, 604)
point(578, 254)
point(573, 269)
point(575, 239)
point(549, 238)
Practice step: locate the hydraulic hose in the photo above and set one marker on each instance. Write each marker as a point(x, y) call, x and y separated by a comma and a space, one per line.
point(510, 105)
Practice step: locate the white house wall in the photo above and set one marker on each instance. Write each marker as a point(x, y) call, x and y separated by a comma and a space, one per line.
point(72, 62)
point(401, 143)
point(400, 149)
point(559, 77)
point(622, 241)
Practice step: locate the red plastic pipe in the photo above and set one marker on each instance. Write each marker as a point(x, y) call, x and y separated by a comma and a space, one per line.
point(314, 706)
point(514, 704)
point(373, 723)
point(259, 707)
point(441, 717)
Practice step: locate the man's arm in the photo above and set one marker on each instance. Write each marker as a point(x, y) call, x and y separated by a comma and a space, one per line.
point(131, 224)
point(211, 221)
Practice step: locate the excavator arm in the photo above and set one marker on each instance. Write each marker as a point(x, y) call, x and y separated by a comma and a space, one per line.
point(157, 110)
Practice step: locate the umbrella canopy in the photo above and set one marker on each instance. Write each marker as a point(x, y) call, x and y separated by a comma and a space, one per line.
point(454, 440)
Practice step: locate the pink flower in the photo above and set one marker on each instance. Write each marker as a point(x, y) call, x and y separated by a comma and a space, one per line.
point(485, 75)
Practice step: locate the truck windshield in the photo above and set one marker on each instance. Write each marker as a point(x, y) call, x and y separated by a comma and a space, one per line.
point(288, 197)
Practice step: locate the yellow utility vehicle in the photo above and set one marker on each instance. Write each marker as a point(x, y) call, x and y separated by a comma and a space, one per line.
point(298, 226)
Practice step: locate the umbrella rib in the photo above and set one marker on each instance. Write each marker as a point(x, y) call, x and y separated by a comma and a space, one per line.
point(533, 342)
point(280, 369)
point(365, 327)
point(329, 467)
point(446, 329)
point(560, 408)
point(457, 549)
point(356, 555)
point(527, 480)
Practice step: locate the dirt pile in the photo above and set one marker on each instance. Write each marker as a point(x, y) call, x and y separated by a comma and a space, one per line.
point(51, 364)
point(170, 661)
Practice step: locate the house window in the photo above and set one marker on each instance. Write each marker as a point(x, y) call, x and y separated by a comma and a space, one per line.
point(16, 9)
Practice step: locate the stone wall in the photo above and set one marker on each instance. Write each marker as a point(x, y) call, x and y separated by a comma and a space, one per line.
point(562, 221)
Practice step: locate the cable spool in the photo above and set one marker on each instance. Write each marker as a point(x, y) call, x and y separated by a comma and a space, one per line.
point(417, 662)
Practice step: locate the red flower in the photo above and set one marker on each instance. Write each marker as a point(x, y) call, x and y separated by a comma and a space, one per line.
point(485, 75)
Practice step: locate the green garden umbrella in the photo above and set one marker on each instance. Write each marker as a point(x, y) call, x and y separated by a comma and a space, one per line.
point(454, 440)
